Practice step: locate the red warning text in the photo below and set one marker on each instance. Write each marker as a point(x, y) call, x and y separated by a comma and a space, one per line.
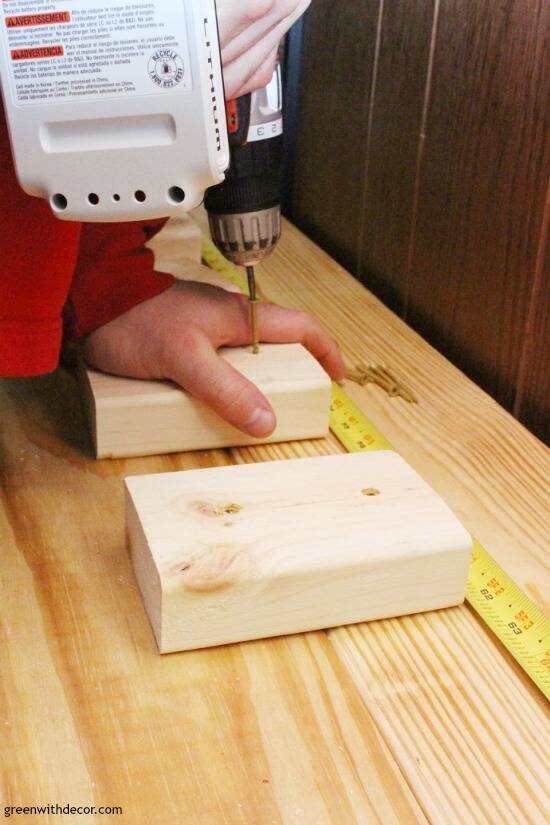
point(38, 19)
point(38, 52)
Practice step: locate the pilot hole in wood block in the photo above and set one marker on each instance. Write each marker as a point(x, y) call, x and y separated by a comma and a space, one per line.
point(130, 417)
point(227, 554)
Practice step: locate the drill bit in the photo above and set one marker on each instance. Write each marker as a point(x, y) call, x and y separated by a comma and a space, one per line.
point(253, 309)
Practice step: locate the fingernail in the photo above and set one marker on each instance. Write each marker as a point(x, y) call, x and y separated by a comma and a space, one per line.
point(261, 423)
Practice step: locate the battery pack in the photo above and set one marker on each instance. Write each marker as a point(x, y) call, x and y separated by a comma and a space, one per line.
point(115, 109)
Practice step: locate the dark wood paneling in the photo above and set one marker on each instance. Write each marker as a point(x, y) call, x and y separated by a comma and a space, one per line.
point(532, 404)
point(339, 45)
point(432, 188)
point(482, 186)
point(394, 146)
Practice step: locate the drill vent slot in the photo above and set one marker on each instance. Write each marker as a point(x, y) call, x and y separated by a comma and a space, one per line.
point(213, 96)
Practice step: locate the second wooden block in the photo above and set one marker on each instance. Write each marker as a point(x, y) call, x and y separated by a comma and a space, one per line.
point(254, 550)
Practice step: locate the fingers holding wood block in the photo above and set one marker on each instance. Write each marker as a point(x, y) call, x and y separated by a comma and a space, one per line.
point(250, 551)
point(131, 417)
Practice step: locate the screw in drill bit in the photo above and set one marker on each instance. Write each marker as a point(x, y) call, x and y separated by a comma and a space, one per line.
point(253, 309)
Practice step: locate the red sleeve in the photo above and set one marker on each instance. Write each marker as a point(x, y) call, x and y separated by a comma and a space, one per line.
point(114, 272)
point(37, 257)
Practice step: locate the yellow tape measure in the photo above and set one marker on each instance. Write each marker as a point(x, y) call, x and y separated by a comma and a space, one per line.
point(519, 624)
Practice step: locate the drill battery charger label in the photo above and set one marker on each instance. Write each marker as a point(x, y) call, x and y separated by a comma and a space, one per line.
point(84, 50)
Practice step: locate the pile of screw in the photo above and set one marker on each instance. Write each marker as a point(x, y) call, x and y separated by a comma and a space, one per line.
point(382, 377)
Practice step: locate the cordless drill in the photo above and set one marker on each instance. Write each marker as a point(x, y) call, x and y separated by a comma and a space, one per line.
point(119, 115)
point(244, 211)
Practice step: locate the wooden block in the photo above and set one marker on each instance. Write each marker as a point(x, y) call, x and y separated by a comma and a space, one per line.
point(130, 417)
point(249, 551)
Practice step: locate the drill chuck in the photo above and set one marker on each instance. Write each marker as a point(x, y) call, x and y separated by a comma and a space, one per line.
point(244, 211)
point(246, 238)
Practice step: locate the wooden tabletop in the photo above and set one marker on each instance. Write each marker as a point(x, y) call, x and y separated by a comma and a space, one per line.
point(413, 720)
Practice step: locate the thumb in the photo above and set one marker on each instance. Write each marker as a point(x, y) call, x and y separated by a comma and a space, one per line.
point(204, 374)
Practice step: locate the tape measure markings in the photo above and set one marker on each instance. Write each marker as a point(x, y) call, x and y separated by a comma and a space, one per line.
point(502, 605)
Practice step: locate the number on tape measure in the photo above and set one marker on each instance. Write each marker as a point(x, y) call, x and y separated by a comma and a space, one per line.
point(351, 427)
point(519, 624)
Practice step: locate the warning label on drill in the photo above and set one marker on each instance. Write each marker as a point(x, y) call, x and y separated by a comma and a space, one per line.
point(84, 50)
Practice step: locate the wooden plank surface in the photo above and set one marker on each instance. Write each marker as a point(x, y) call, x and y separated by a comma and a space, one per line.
point(422, 720)
point(265, 732)
point(458, 742)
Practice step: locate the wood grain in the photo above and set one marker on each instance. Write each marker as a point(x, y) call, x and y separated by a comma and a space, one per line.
point(229, 554)
point(266, 732)
point(532, 401)
point(421, 677)
point(397, 134)
point(94, 713)
point(334, 113)
point(130, 417)
point(483, 185)
point(446, 168)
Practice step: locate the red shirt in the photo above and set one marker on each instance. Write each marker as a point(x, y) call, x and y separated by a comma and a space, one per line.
point(90, 273)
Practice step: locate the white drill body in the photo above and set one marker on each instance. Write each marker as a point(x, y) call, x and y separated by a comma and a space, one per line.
point(115, 109)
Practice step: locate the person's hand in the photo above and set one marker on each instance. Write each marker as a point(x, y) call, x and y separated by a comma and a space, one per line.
point(175, 336)
point(250, 33)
